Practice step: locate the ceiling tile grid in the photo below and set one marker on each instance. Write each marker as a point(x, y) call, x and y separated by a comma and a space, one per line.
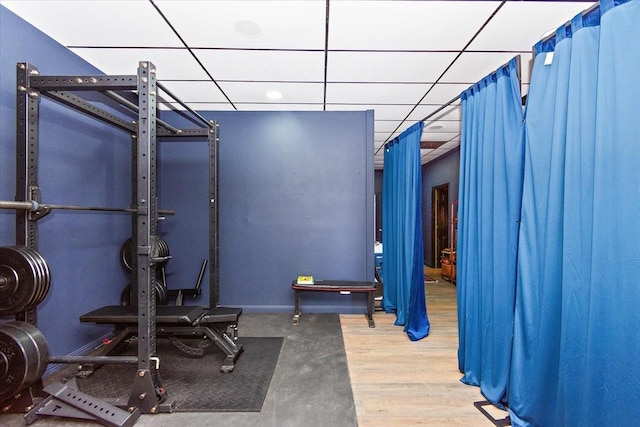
point(406, 60)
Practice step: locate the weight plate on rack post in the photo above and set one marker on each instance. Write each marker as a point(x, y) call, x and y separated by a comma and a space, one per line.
point(126, 256)
point(19, 279)
point(23, 357)
point(162, 294)
point(43, 275)
point(38, 274)
point(47, 276)
point(159, 249)
point(159, 289)
point(163, 251)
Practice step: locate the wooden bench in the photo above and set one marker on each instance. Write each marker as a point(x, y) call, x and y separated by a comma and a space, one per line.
point(342, 286)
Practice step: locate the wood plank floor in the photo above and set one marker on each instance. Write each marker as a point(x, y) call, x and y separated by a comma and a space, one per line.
point(397, 382)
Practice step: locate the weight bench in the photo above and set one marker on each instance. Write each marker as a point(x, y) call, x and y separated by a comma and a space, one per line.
point(344, 287)
point(172, 321)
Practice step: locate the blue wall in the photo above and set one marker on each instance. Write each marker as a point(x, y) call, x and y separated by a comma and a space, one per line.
point(296, 197)
point(83, 162)
point(445, 170)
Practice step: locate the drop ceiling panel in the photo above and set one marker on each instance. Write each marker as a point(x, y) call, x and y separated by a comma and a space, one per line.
point(429, 110)
point(381, 111)
point(521, 24)
point(278, 107)
point(387, 93)
point(171, 64)
point(405, 25)
point(452, 112)
point(201, 91)
point(255, 92)
point(385, 126)
point(97, 22)
point(443, 93)
point(442, 136)
point(248, 24)
point(441, 127)
point(420, 67)
point(472, 67)
point(256, 65)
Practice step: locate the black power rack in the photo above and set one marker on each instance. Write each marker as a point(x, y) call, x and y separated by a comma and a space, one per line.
point(147, 394)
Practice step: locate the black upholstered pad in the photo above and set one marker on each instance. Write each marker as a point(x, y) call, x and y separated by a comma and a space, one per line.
point(165, 314)
point(336, 286)
point(220, 315)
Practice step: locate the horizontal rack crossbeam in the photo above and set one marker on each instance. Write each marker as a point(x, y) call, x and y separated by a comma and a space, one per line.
point(79, 104)
point(48, 83)
point(113, 360)
point(200, 132)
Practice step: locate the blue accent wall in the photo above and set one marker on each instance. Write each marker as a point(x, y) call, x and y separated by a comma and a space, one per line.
point(296, 198)
point(444, 170)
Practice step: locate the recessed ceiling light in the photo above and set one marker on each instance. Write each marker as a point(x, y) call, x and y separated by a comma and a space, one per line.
point(274, 95)
point(248, 29)
point(435, 127)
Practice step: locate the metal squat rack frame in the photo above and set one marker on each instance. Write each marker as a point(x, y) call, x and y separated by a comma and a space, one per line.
point(147, 392)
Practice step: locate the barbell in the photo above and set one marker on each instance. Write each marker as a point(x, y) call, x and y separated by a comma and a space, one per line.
point(33, 206)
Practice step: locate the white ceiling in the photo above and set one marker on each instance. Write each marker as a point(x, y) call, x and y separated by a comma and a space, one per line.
point(402, 59)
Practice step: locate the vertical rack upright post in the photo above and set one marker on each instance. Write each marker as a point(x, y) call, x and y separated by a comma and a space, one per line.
point(214, 276)
point(27, 130)
point(147, 381)
point(26, 229)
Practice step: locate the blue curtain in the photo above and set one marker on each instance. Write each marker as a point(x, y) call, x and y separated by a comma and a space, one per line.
point(488, 221)
point(403, 256)
point(576, 340)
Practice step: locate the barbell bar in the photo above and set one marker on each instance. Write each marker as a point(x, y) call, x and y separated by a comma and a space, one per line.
point(34, 206)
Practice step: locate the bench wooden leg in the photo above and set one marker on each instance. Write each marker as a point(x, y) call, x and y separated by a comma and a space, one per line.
point(370, 304)
point(296, 310)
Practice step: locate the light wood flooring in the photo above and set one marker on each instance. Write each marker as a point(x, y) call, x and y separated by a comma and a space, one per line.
point(397, 382)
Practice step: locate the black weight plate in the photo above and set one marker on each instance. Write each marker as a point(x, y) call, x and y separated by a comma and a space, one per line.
point(33, 339)
point(32, 257)
point(40, 265)
point(160, 291)
point(167, 253)
point(15, 299)
point(47, 277)
point(160, 249)
point(156, 249)
point(38, 274)
point(24, 353)
point(126, 257)
point(28, 254)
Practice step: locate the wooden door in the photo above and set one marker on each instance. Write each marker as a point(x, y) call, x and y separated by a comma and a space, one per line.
point(439, 221)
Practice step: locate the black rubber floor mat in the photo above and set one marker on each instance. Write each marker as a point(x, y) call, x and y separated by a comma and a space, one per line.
point(197, 384)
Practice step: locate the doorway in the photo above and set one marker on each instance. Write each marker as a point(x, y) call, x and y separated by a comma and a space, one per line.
point(439, 221)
